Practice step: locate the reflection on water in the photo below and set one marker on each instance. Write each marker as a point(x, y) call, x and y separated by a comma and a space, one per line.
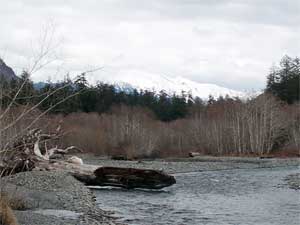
point(254, 196)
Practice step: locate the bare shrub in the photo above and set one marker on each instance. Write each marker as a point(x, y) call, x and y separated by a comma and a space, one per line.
point(86, 131)
point(134, 129)
point(126, 131)
point(233, 127)
point(230, 127)
point(293, 120)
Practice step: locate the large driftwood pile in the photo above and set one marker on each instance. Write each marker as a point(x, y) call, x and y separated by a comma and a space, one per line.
point(31, 152)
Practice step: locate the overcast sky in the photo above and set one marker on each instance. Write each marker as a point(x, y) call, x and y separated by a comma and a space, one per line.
point(232, 43)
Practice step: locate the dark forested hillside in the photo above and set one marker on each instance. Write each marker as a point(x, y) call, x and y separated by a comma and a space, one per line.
point(96, 98)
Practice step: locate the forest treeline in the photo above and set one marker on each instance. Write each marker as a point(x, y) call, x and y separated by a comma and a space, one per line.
point(106, 120)
point(97, 98)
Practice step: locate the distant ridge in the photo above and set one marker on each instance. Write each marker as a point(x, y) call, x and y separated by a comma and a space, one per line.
point(6, 72)
point(129, 80)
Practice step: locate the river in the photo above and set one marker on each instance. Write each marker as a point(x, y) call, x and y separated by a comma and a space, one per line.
point(237, 196)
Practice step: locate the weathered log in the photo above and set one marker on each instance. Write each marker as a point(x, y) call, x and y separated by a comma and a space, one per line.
point(194, 154)
point(128, 178)
point(131, 178)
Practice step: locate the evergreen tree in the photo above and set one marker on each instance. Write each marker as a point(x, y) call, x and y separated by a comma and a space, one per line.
point(178, 108)
point(27, 92)
point(211, 100)
point(162, 108)
point(284, 81)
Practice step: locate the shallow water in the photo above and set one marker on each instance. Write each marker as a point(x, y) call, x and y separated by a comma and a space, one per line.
point(256, 196)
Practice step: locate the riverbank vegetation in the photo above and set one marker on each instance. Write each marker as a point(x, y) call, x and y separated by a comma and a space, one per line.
point(107, 120)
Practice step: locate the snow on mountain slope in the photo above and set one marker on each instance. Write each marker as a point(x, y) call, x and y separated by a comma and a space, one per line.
point(153, 82)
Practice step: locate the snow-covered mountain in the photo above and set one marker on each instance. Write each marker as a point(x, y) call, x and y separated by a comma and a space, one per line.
point(153, 82)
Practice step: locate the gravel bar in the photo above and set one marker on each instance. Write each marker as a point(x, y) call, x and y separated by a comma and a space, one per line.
point(197, 164)
point(54, 198)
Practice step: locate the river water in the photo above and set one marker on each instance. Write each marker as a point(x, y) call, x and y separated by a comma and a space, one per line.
point(238, 196)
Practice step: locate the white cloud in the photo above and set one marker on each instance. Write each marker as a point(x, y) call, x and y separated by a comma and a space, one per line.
point(230, 43)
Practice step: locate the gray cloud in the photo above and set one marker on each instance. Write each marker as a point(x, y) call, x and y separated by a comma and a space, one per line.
point(231, 43)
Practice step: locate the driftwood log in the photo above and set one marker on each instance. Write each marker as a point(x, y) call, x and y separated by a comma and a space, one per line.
point(27, 154)
point(128, 178)
point(194, 154)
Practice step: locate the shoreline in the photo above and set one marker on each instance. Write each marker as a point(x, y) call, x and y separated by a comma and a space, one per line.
point(56, 198)
point(196, 164)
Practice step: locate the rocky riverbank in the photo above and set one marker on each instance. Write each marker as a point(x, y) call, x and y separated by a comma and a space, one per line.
point(53, 198)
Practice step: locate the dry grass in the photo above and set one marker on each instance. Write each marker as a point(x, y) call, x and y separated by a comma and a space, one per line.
point(13, 201)
point(7, 204)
